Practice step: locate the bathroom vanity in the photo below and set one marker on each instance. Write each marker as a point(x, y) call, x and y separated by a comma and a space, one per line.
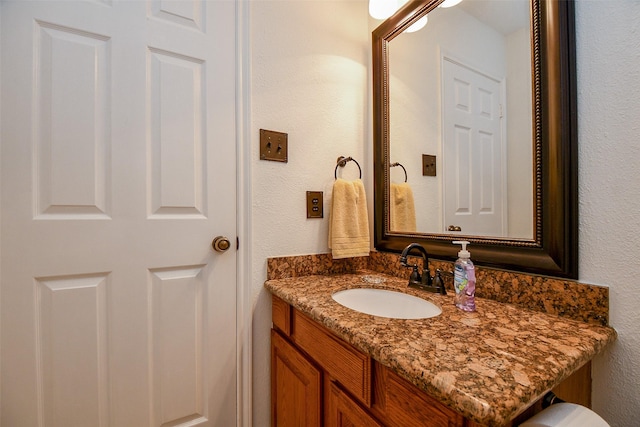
point(531, 333)
point(335, 366)
point(317, 376)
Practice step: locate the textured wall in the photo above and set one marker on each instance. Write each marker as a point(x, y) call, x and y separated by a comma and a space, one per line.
point(608, 60)
point(309, 78)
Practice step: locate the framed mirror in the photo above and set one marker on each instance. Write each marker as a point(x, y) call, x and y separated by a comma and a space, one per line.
point(475, 120)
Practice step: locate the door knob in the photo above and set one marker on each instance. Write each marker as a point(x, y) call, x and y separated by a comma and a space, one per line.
point(221, 244)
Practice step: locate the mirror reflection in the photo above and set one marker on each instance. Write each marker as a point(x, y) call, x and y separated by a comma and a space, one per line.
point(460, 105)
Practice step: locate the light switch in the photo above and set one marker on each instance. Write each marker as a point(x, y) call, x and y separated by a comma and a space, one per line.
point(274, 145)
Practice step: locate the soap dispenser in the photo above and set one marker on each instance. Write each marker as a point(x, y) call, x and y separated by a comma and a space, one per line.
point(464, 279)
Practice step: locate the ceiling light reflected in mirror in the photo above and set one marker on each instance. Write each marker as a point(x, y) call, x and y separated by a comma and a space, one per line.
point(450, 3)
point(382, 9)
point(418, 25)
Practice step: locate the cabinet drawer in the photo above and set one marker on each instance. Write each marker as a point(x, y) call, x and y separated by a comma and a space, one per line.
point(281, 315)
point(341, 361)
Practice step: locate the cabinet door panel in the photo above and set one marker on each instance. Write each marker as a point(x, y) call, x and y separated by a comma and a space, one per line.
point(296, 387)
point(344, 412)
point(400, 403)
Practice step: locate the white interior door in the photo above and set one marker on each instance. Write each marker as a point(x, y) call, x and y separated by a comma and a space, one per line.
point(474, 182)
point(118, 169)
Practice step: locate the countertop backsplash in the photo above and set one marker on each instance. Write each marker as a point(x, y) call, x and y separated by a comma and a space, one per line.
point(570, 299)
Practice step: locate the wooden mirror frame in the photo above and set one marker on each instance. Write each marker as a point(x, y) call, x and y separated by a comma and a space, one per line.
point(553, 250)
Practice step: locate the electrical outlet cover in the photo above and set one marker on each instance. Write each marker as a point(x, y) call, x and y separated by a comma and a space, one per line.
point(315, 204)
point(428, 165)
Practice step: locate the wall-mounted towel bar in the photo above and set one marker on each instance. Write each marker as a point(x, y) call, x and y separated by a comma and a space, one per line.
point(342, 162)
point(393, 165)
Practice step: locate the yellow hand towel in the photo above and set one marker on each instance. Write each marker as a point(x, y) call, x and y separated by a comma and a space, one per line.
point(403, 209)
point(349, 221)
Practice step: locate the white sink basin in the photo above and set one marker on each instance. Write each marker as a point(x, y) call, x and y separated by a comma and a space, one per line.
point(384, 303)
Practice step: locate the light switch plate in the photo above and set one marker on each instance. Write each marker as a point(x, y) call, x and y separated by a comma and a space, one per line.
point(315, 204)
point(428, 165)
point(274, 145)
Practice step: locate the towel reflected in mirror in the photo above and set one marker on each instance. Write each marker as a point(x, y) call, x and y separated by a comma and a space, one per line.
point(403, 209)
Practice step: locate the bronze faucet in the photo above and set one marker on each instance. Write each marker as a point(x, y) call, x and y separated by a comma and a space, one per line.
point(422, 281)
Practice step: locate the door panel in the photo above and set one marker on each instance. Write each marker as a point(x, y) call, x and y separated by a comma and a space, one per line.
point(177, 335)
point(177, 143)
point(118, 134)
point(71, 139)
point(474, 152)
point(70, 378)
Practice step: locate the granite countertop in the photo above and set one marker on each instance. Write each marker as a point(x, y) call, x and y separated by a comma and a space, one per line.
point(489, 365)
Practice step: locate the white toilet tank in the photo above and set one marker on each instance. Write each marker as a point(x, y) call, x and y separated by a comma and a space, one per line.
point(565, 415)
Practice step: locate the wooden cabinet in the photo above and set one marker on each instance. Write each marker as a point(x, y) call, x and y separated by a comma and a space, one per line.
point(317, 379)
point(296, 387)
point(400, 403)
point(341, 361)
point(342, 411)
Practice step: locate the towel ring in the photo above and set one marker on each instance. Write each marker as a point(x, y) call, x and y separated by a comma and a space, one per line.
point(392, 165)
point(342, 162)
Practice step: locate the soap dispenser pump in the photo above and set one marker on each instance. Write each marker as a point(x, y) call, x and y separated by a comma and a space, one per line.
point(464, 279)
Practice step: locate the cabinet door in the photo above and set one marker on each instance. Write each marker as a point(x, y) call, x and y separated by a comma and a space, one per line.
point(296, 387)
point(400, 403)
point(344, 412)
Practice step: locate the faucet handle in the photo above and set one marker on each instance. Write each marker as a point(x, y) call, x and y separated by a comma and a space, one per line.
point(439, 283)
point(415, 274)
